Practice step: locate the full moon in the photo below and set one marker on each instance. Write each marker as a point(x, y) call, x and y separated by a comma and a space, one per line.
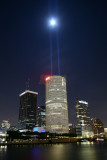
point(52, 22)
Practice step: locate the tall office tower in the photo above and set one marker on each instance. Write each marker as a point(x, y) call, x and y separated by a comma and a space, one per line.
point(56, 105)
point(40, 116)
point(27, 110)
point(83, 118)
point(98, 127)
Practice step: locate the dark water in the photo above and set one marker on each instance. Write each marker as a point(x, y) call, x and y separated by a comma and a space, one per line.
point(80, 151)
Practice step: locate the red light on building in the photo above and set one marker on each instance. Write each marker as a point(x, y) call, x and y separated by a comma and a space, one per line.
point(47, 78)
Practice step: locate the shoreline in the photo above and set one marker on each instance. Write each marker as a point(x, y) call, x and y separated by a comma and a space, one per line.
point(49, 141)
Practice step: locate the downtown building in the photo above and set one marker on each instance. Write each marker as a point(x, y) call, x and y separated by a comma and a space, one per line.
point(98, 127)
point(5, 124)
point(40, 116)
point(56, 105)
point(40, 120)
point(27, 110)
point(105, 132)
point(83, 118)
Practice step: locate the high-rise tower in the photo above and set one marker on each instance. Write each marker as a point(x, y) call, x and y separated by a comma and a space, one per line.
point(83, 118)
point(56, 105)
point(27, 110)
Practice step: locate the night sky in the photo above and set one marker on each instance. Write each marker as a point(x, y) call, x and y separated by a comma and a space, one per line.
point(25, 52)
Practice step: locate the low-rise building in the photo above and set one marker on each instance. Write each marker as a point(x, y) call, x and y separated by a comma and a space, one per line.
point(3, 135)
point(105, 132)
point(41, 116)
point(5, 124)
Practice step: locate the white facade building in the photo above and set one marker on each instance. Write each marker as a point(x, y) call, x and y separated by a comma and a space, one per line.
point(56, 105)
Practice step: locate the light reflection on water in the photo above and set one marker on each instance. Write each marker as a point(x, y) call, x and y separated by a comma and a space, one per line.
point(3, 148)
point(49, 152)
point(87, 151)
point(79, 151)
point(85, 142)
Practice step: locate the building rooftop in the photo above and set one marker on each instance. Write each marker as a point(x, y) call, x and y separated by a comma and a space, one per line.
point(27, 91)
point(83, 102)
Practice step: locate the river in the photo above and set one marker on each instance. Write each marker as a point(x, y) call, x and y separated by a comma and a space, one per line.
point(76, 151)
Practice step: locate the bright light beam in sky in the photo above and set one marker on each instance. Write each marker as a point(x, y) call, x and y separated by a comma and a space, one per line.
point(53, 24)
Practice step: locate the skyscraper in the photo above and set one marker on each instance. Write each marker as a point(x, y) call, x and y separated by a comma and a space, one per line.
point(56, 105)
point(83, 118)
point(27, 110)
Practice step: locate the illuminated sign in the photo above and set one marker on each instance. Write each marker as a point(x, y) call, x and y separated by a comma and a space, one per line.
point(36, 129)
point(39, 129)
point(43, 131)
point(48, 78)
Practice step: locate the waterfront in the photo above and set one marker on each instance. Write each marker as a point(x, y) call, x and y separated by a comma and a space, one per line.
point(76, 151)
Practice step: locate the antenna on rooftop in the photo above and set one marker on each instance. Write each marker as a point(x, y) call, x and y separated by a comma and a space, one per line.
point(27, 84)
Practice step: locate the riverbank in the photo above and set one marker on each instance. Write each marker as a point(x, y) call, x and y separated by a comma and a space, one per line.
point(58, 151)
point(41, 141)
point(45, 141)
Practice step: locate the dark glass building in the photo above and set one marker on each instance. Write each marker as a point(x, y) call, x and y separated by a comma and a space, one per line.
point(40, 116)
point(27, 110)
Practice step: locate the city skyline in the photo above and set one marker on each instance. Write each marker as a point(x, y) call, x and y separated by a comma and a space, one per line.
point(25, 53)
